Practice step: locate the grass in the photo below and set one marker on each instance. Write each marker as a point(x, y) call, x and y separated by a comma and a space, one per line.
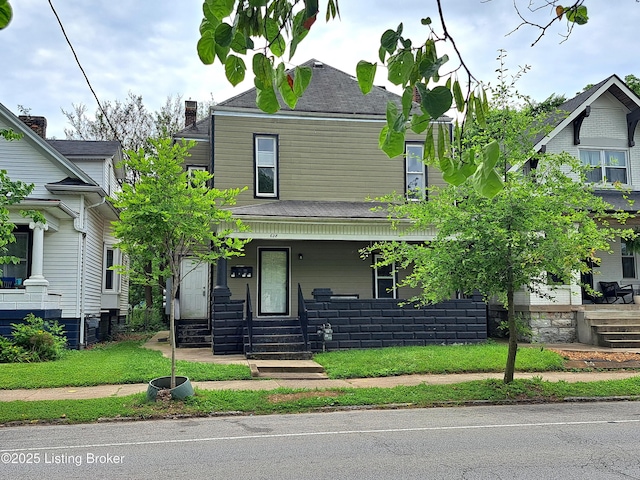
point(206, 403)
point(112, 363)
point(384, 362)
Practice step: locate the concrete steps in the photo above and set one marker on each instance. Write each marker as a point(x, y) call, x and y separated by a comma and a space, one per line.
point(613, 327)
point(193, 334)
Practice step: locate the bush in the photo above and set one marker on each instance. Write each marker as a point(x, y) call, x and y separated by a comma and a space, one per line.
point(44, 340)
point(143, 320)
point(12, 353)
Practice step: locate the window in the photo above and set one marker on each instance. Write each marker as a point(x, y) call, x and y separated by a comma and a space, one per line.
point(415, 173)
point(20, 250)
point(266, 164)
point(385, 279)
point(111, 279)
point(608, 165)
point(628, 261)
point(194, 168)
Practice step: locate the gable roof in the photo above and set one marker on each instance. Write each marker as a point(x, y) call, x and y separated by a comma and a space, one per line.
point(572, 108)
point(41, 145)
point(86, 148)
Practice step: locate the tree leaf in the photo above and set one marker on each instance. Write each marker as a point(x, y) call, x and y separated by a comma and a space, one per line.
point(263, 71)
point(266, 100)
point(389, 41)
point(277, 44)
point(221, 8)
point(419, 123)
point(207, 48)
point(239, 43)
point(391, 142)
point(301, 80)
point(285, 88)
point(437, 101)
point(577, 15)
point(234, 69)
point(400, 66)
point(365, 73)
point(457, 95)
point(5, 14)
point(224, 35)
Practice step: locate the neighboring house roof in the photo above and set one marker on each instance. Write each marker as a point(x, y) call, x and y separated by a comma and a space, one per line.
point(620, 201)
point(312, 209)
point(43, 147)
point(572, 108)
point(86, 148)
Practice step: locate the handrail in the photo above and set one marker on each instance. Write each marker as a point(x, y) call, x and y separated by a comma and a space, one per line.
point(249, 319)
point(303, 319)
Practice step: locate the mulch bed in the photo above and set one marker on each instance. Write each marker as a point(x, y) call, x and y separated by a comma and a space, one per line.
point(603, 360)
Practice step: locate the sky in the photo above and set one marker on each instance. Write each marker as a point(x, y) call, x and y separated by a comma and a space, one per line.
point(148, 47)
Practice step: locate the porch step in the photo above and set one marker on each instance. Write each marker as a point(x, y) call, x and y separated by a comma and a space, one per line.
point(615, 328)
point(193, 334)
point(276, 339)
point(287, 370)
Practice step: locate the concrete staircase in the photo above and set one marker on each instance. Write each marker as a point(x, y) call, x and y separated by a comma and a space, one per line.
point(276, 339)
point(614, 327)
point(193, 334)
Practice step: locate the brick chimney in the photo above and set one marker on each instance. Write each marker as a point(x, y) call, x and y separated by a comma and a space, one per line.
point(190, 112)
point(37, 124)
point(416, 95)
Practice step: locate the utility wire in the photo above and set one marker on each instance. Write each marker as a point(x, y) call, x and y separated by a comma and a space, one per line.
point(115, 133)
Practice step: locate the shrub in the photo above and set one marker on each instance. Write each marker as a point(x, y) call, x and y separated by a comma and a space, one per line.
point(12, 353)
point(44, 339)
point(143, 320)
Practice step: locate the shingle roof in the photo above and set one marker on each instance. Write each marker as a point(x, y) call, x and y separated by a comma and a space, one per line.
point(625, 201)
point(85, 148)
point(312, 209)
point(330, 91)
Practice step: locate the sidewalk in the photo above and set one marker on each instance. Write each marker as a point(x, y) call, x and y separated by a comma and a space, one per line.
point(204, 355)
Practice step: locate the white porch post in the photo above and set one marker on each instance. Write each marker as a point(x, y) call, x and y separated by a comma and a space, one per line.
point(37, 261)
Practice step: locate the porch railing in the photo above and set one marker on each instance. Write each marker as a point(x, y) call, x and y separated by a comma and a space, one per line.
point(303, 318)
point(249, 319)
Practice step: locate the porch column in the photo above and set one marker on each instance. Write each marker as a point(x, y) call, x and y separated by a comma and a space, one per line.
point(221, 292)
point(37, 256)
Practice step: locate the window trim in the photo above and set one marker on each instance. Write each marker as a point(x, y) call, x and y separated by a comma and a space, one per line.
point(602, 164)
point(276, 166)
point(22, 230)
point(425, 180)
point(377, 277)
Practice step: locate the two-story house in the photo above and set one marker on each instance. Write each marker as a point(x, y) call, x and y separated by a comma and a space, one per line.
point(598, 126)
point(311, 174)
point(64, 269)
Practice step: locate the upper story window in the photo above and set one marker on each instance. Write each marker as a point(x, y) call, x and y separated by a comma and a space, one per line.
point(415, 171)
point(628, 261)
point(607, 165)
point(266, 165)
point(195, 168)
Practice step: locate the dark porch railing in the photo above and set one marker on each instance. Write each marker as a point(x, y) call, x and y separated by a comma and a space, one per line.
point(303, 319)
point(249, 319)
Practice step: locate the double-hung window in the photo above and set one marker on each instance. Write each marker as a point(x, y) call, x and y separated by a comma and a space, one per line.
point(606, 165)
point(20, 250)
point(266, 165)
point(415, 171)
point(111, 280)
point(628, 261)
point(385, 279)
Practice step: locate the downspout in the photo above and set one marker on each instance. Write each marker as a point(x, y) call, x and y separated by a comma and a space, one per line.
point(82, 243)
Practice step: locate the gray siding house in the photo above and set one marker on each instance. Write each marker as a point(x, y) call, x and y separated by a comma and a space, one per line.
point(63, 271)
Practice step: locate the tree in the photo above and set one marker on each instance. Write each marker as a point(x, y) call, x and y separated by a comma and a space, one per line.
point(129, 121)
point(542, 223)
point(11, 193)
point(6, 13)
point(229, 27)
point(169, 214)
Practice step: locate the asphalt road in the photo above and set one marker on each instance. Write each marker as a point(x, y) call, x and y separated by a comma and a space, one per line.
point(586, 441)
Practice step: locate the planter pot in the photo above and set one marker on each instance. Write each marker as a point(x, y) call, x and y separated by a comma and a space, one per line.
point(182, 389)
point(636, 299)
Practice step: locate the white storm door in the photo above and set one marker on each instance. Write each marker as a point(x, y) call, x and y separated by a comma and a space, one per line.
point(193, 290)
point(274, 281)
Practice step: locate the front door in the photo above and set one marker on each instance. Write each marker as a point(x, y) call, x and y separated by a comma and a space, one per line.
point(273, 281)
point(193, 289)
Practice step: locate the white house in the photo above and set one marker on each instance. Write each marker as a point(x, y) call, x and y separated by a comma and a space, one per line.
point(64, 264)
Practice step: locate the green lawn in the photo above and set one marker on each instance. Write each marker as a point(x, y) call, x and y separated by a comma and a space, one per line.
point(212, 402)
point(112, 363)
point(384, 362)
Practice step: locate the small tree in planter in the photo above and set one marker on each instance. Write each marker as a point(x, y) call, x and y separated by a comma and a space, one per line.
point(169, 214)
